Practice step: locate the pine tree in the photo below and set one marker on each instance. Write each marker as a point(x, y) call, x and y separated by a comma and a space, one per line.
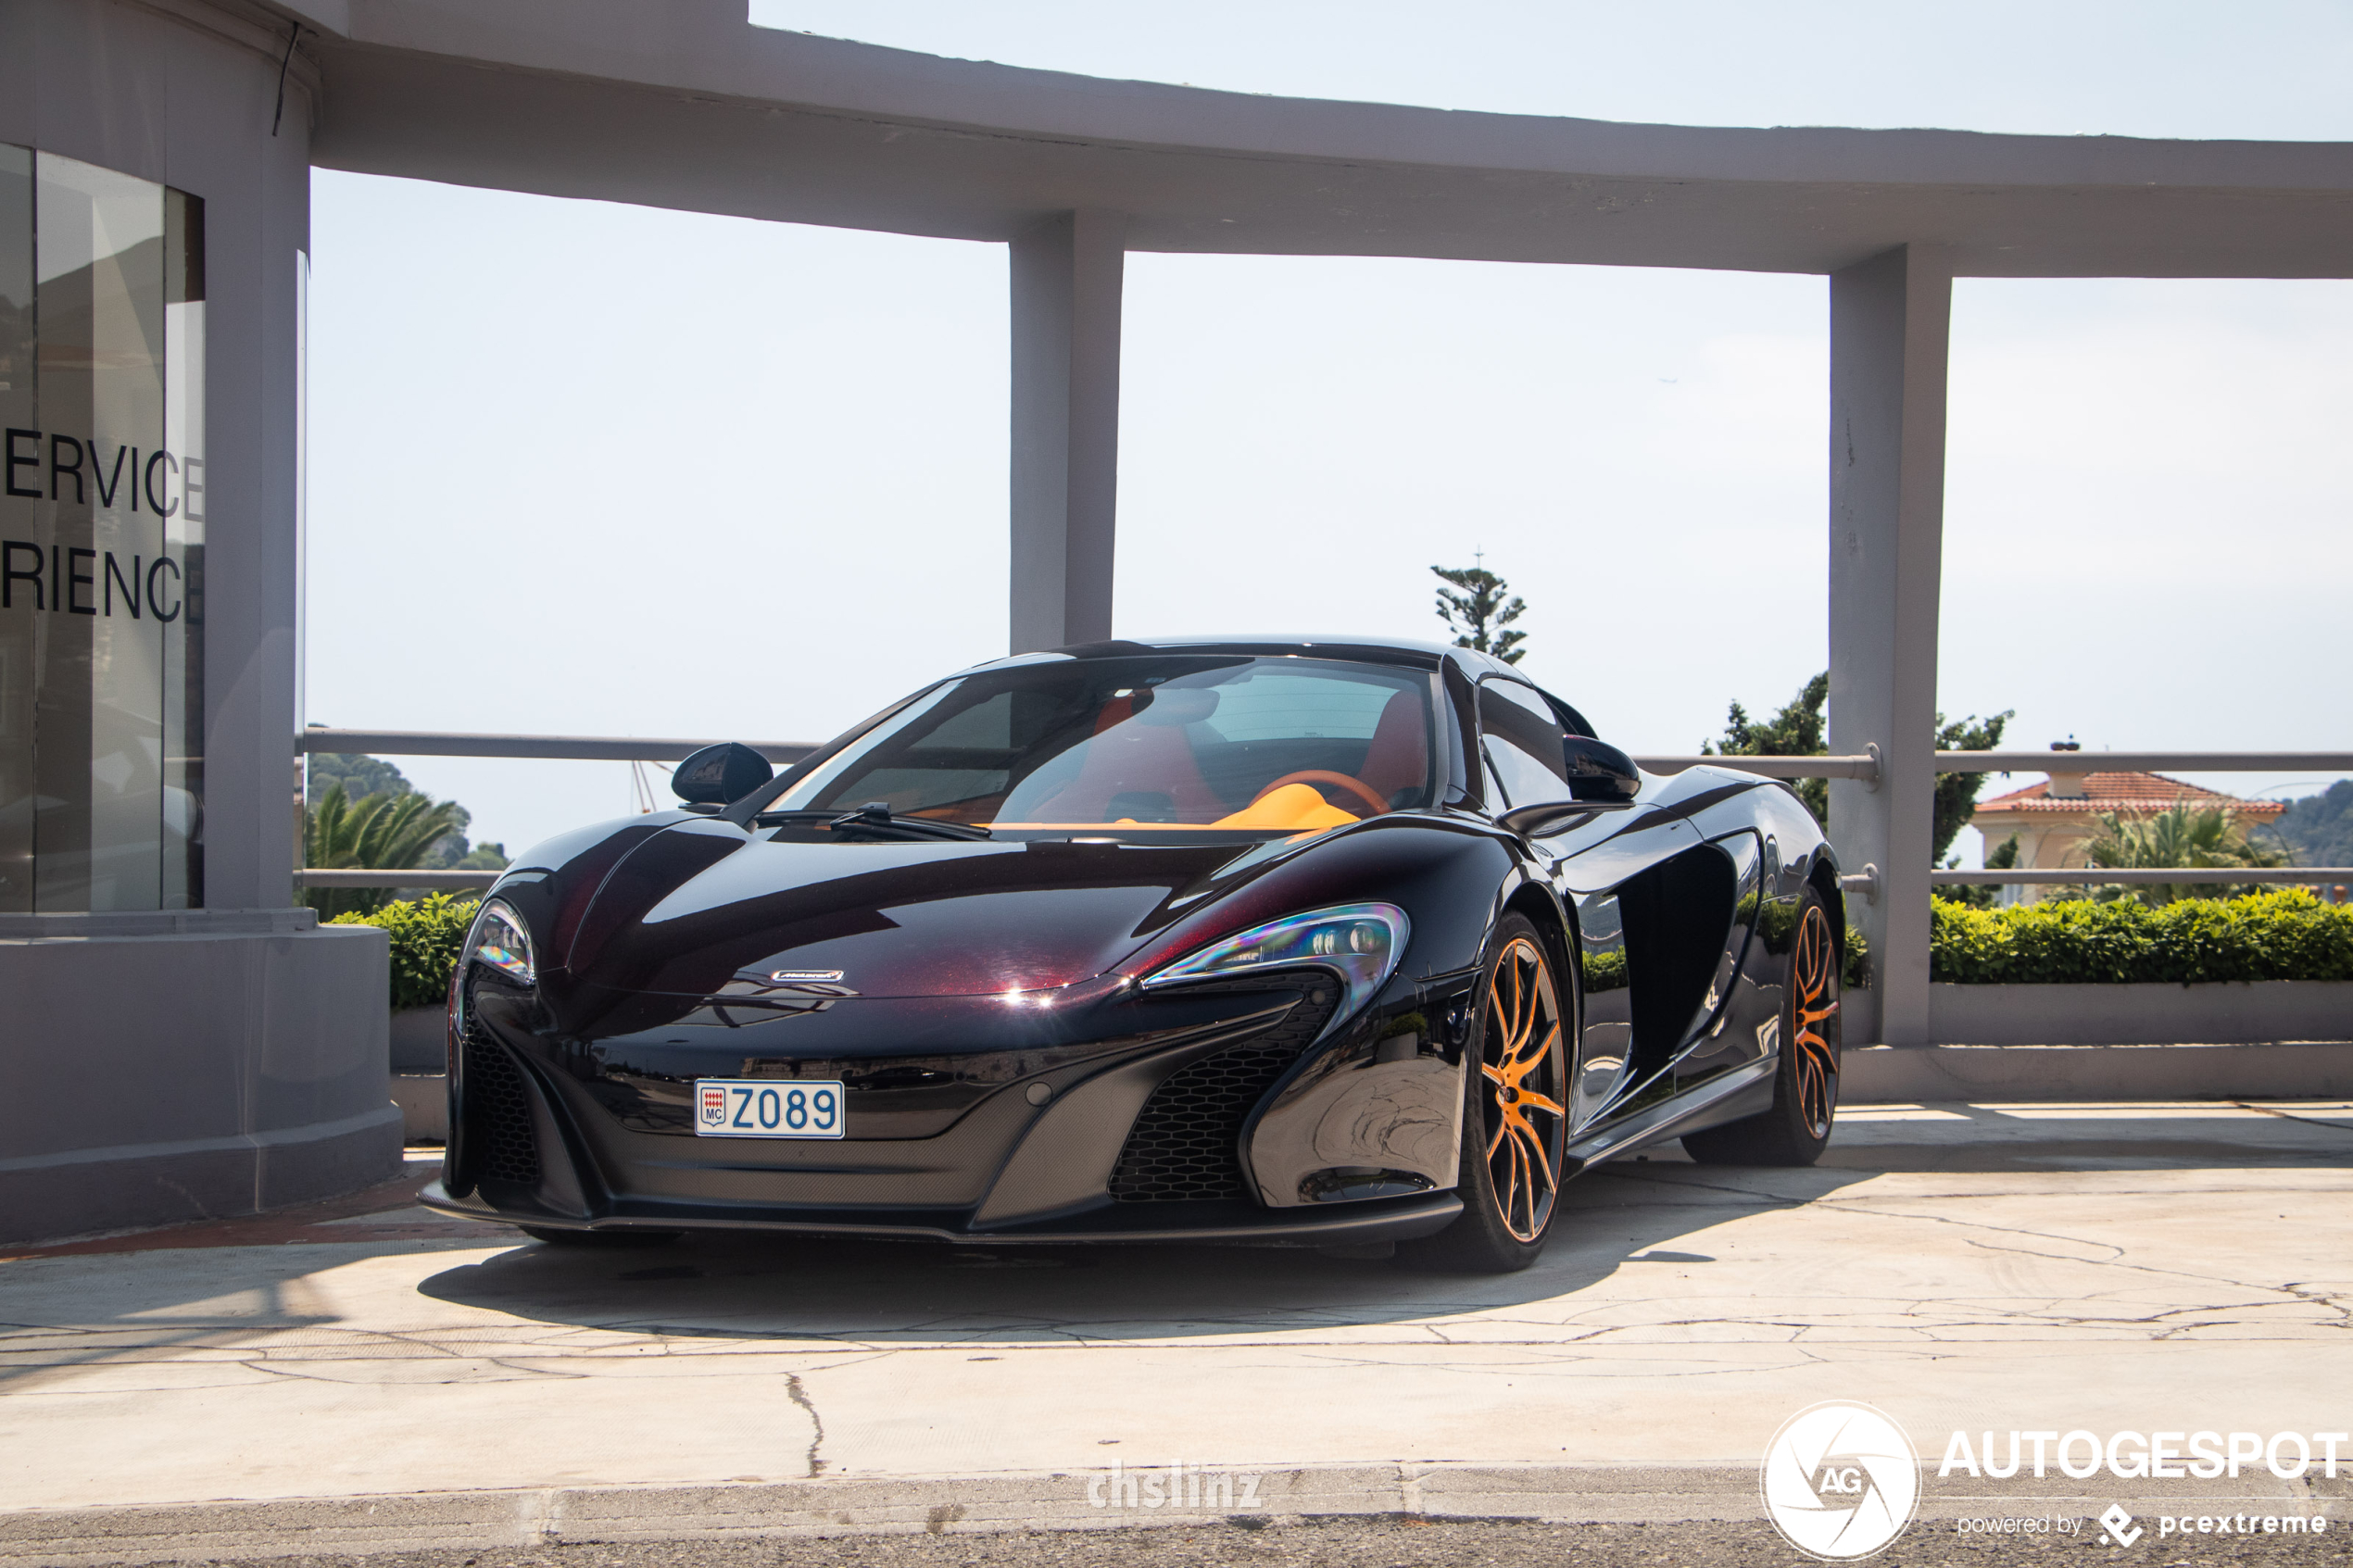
point(1478, 614)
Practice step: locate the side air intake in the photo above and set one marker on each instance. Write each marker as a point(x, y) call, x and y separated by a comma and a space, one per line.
point(1185, 1146)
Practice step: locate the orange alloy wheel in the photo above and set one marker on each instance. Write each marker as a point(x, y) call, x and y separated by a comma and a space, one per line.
point(1525, 1121)
point(1814, 1011)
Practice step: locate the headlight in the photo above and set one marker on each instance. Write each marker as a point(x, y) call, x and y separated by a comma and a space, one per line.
point(1361, 943)
point(500, 943)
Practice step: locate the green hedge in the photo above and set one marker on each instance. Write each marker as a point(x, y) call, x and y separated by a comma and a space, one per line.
point(2284, 935)
point(427, 936)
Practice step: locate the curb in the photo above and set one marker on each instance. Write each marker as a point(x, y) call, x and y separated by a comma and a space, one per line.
point(934, 1505)
point(897, 1505)
point(1991, 1074)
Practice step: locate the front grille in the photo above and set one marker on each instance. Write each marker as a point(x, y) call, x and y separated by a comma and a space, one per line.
point(1185, 1143)
point(499, 1144)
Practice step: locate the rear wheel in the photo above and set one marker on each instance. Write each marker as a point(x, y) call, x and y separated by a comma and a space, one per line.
point(1516, 1120)
point(1796, 1130)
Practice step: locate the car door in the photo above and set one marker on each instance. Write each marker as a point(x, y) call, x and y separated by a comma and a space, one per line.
point(1522, 739)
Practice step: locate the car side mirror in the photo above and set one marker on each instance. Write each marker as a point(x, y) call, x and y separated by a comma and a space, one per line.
point(718, 774)
point(1601, 776)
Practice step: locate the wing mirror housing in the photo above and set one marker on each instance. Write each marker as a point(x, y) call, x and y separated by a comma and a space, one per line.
point(719, 775)
point(1601, 777)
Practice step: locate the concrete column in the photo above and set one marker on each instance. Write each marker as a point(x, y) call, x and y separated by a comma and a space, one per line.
point(1889, 329)
point(171, 1065)
point(253, 562)
point(1066, 276)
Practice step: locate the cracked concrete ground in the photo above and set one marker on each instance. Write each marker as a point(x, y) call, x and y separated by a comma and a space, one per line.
point(1961, 1267)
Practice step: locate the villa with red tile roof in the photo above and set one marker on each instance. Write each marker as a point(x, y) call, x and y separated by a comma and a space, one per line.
point(2055, 819)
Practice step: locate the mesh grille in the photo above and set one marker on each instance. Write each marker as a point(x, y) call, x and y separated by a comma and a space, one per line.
point(1184, 1146)
point(499, 1144)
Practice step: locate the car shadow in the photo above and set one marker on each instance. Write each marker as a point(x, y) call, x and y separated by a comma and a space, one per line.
point(894, 1292)
point(1638, 1213)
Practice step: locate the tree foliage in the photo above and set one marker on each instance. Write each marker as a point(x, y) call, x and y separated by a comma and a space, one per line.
point(364, 776)
point(1798, 730)
point(1480, 612)
point(1957, 793)
point(1999, 859)
point(381, 832)
point(2208, 837)
point(2287, 935)
point(1802, 729)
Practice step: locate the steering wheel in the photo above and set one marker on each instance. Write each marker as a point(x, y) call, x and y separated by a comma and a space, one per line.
point(1324, 776)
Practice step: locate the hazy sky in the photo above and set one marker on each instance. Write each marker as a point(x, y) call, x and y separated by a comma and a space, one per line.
point(580, 468)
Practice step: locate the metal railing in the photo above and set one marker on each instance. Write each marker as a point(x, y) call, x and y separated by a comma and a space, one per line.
point(430, 882)
point(2138, 876)
point(581, 748)
point(1865, 882)
point(1864, 766)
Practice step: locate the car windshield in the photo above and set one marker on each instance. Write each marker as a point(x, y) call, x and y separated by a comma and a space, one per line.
point(1267, 744)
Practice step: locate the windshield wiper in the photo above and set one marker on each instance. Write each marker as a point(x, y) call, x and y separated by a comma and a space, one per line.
point(874, 820)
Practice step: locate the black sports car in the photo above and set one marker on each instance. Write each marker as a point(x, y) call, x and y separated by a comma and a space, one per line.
point(1291, 942)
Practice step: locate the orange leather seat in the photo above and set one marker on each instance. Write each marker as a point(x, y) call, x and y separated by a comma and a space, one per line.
point(1398, 759)
point(1131, 757)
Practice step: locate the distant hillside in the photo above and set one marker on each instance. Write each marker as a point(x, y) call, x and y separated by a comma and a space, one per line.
point(2319, 828)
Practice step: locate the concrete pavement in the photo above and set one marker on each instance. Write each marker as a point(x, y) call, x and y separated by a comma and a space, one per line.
point(2143, 1267)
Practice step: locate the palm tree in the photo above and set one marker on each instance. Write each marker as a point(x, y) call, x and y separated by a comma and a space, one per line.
point(2183, 836)
point(380, 832)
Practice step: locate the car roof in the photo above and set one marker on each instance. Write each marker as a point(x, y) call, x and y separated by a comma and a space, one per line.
point(1365, 650)
point(1369, 650)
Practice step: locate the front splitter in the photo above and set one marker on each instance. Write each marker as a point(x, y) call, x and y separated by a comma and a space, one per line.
point(1386, 1219)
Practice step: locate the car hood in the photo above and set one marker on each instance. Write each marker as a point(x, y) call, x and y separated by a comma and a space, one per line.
point(702, 907)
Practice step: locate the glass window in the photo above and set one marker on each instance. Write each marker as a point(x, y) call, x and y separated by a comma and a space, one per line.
point(101, 520)
point(1149, 743)
point(1526, 749)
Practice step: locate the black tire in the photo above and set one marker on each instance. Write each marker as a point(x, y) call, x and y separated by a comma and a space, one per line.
point(554, 1237)
point(1796, 1130)
point(1514, 1116)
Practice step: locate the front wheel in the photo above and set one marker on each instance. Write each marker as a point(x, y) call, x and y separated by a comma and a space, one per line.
point(1796, 1130)
point(1515, 1119)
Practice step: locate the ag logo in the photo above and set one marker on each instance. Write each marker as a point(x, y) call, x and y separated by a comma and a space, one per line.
point(1839, 1481)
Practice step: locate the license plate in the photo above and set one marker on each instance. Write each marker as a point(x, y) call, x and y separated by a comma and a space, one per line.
point(768, 1108)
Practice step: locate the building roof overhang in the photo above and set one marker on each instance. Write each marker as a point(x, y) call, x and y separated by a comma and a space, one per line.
point(686, 105)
